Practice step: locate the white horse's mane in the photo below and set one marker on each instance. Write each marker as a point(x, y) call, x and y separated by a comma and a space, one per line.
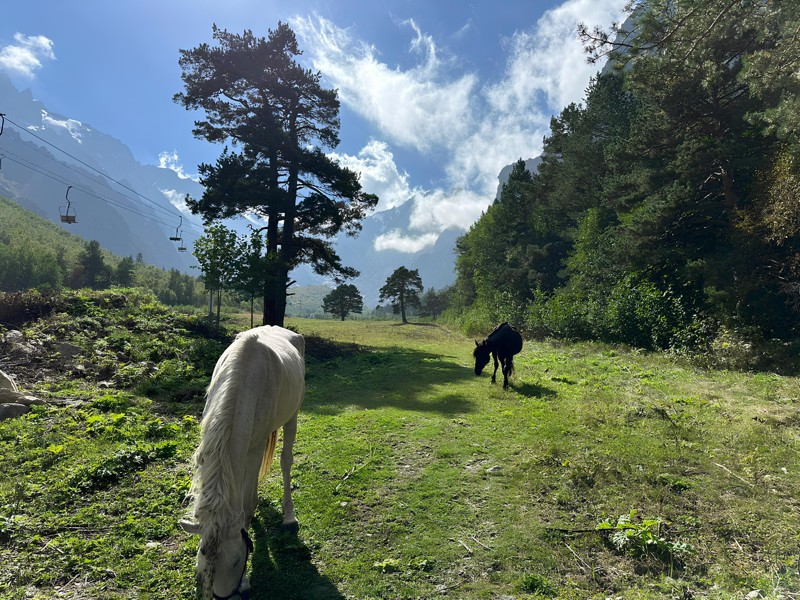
point(216, 506)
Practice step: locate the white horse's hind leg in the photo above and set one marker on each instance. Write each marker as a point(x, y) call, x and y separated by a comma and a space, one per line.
point(287, 458)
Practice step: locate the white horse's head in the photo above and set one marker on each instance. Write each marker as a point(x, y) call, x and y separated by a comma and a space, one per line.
point(222, 562)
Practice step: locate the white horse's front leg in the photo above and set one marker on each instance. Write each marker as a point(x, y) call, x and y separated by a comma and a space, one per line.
point(287, 458)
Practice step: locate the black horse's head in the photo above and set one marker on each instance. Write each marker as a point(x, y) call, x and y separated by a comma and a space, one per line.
point(481, 354)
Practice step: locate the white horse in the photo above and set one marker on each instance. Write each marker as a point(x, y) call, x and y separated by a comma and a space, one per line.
point(256, 388)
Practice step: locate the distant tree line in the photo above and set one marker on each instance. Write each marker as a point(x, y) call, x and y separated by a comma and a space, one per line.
point(666, 209)
point(34, 265)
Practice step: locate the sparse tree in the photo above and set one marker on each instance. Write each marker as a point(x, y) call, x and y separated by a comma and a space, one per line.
point(217, 253)
point(96, 274)
point(249, 282)
point(403, 288)
point(432, 303)
point(123, 274)
point(260, 100)
point(344, 300)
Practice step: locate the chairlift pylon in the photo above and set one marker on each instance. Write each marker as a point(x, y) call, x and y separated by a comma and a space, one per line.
point(66, 217)
point(177, 236)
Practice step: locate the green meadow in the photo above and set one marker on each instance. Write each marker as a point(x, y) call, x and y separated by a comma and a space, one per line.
point(602, 472)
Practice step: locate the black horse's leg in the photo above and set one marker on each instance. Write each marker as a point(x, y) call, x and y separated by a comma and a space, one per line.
point(508, 368)
point(494, 375)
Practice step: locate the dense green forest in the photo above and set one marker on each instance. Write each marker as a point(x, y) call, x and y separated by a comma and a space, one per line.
point(35, 253)
point(666, 209)
point(38, 254)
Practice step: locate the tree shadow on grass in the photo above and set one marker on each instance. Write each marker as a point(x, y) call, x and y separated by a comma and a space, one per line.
point(282, 567)
point(339, 375)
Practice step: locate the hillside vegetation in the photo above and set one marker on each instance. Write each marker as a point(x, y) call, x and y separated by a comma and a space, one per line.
point(601, 473)
point(664, 213)
point(36, 253)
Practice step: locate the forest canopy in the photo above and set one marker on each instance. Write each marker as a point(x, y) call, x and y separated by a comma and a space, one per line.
point(666, 209)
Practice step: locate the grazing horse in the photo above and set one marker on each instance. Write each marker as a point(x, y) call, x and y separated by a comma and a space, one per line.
point(257, 387)
point(503, 343)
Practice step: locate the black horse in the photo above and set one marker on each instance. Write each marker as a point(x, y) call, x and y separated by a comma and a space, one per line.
point(503, 343)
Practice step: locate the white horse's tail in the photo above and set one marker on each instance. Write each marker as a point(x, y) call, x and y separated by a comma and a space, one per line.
point(269, 454)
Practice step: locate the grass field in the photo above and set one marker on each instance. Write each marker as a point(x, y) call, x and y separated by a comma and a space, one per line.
point(601, 473)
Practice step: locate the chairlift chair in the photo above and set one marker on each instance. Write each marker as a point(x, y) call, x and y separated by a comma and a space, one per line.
point(181, 247)
point(64, 211)
point(177, 236)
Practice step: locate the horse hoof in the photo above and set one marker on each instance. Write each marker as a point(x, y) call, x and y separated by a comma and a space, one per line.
point(292, 527)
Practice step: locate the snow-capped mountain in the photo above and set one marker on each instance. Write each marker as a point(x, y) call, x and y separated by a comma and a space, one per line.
point(116, 200)
point(131, 208)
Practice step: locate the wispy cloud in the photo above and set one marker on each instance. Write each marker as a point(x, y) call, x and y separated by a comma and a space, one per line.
point(72, 127)
point(379, 174)
point(25, 55)
point(171, 161)
point(421, 108)
point(177, 199)
point(480, 126)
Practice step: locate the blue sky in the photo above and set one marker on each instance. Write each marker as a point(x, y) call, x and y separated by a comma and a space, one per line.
point(437, 96)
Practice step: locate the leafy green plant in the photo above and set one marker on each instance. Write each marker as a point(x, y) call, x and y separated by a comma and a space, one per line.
point(642, 539)
point(533, 583)
point(126, 460)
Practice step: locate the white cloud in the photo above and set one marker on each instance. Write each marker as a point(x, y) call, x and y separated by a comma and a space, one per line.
point(177, 199)
point(171, 161)
point(396, 240)
point(420, 108)
point(71, 126)
point(548, 62)
point(479, 126)
point(24, 56)
point(378, 174)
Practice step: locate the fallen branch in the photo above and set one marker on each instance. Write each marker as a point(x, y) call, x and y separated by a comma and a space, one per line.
point(481, 544)
point(742, 479)
point(581, 563)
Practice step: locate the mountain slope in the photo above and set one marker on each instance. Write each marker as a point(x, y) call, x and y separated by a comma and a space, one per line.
point(36, 175)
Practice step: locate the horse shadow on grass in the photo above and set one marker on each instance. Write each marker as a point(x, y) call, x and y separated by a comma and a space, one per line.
point(281, 563)
point(533, 390)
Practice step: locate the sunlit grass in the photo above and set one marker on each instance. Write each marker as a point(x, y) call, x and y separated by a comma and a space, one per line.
point(415, 479)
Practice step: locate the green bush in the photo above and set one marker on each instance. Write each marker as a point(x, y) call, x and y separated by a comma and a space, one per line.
point(633, 311)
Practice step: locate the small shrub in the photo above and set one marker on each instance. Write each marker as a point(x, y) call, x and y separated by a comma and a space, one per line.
point(107, 472)
point(388, 565)
point(642, 539)
point(532, 583)
point(18, 308)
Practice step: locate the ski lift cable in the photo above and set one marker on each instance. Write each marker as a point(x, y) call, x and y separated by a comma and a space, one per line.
point(88, 192)
point(61, 180)
point(84, 176)
point(88, 166)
